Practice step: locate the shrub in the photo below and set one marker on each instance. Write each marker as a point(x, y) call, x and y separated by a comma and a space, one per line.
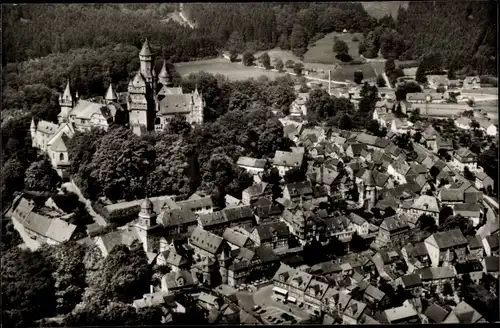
point(317, 37)
point(355, 39)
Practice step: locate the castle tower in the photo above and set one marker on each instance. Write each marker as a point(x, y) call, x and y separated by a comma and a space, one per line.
point(197, 105)
point(110, 94)
point(146, 60)
point(66, 103)
point(164, 76)
point(138, 105)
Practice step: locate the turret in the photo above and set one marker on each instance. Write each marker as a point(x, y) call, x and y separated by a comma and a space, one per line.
point(147, 217)
point(146, 59)
point(164, 77)
point(33, 132)
point(66, 103)
point(111, 94)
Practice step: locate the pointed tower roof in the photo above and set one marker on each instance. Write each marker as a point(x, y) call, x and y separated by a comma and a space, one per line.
point(146, 50)
point(164, 72)
point(67, 92)
point(111, 94)
point(138, 80)
point(33, 123)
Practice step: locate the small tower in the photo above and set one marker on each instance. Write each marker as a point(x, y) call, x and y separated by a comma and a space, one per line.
point(146, 60)
point(110, 94)
point(164, 76)
point(197, 106)
point(147, 216)
point(33, 132)
point(138, 105)
point(224, 262)
point(370, 194)
point(66, 103)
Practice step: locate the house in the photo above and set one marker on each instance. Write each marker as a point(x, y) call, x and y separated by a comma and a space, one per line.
point(265, 210)
point(483, 181)
point(361, 225)
point(353, 312)
point(108, 241)
point(443, 144)
point(355, 150)
point(314, 294)
point(285, 161)
point(177, 281)
point(394, 229)
point(177, 220)
point(491, 265)
point(487, 125)
point(400, 125)
point(473, 212)
point(232, 201)
point(197, 204)
point(446, 246)
point(416, 97)
point(467, 314)
point(464, 157)
point(217, 222)
point(281, 281)
point(412, 283)
point(236, 239)
point(298, 107)
point(35, 228)
point(490, 244)
point(208, 301)
point(294, 281)
point(472, 82)
point(298, 190)
point(174, 260)
point(435, 313)
point(249, 264)
point(205, 243)
point(251, 165)
point(402, 314)
point(274, 235)
point(451, 196)
point(417, 252)
point(437, 276)
point(373, 295)
point(253, 193)
point(475, 248)
point(426, 204)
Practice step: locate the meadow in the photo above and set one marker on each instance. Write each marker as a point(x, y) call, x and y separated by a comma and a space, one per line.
point(321, 51)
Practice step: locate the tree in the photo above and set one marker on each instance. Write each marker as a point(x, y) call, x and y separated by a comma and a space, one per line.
point(358, 77)
point(340, 48)
point(468, 174)
point(178, 125)
point(373, 127)
point(294, 175)
point(279, 65)
point(26, 280)
point(427, 223)
point(357, 243)
point(40, 176)
point(390, 66)
point(420, 75)
point(298, 68)
point(233, 56)
point(458, 222)
point(380, 81)
point(406, 88)
point(289, 63)
point(248, 58)
point(445, 212)
point(236, 42)
point(265, 60)
point(239, 101)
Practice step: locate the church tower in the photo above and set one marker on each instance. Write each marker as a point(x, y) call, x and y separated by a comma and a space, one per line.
point(370, 192)
point(66, 103)
point(144, 224)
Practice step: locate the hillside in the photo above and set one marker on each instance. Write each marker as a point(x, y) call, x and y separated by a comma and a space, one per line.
point(321, 51)
point(380, 9)
point(463, 32)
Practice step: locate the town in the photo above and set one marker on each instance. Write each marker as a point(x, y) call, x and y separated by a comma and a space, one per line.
point(306, 201)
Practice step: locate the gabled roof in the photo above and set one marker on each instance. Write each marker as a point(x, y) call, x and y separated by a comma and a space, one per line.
point(395, 223)
point(435, 313)
point(118, 237)
point(47, 127)
point(176, 217)
point(235, 237)
point(451, 195)
point(447, 239)
point(432, 273)
point(411, 280)
point(466, 313)
point(205, 240)
point(252, 162)
point(267, 231)
point(284, 158)
point(426, 203)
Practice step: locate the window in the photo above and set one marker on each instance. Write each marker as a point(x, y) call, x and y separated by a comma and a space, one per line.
point(61, 157)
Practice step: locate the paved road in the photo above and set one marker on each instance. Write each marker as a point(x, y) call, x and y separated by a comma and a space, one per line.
point(263, 298)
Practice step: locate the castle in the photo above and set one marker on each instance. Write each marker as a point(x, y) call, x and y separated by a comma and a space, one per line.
point(149, 104)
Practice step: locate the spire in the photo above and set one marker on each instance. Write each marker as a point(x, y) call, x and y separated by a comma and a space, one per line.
point(67, 93)
point(196, 90)
point(111, 94)
point(164, 73)
point(32, 126)
point(146, 50)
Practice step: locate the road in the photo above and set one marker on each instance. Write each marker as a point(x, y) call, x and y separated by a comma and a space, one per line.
point(70, 186)
point(309, 77)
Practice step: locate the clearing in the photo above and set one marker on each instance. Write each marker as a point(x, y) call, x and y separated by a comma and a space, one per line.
point(321, 51)
point(380, 9)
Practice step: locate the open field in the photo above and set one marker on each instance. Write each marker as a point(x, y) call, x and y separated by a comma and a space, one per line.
point(322, 51)
point(380, 9)
point(277, 53)
point(234, 71)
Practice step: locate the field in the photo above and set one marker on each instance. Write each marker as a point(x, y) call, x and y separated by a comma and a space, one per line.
point(380, 9)
point(278, 53)
point(233, 71)
point(322, 51)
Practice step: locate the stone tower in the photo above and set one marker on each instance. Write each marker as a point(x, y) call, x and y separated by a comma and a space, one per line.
point(224, 262)
point(370, 190)
point(66, 103)
point(146, 70)
point(197, 105)
point(144, 224)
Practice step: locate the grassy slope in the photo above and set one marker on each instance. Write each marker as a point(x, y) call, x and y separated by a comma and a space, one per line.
point(380, 9)
point(322, 51)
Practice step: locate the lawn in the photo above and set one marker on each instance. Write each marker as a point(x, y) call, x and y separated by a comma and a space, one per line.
point(321, 51)
point(233, 71)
